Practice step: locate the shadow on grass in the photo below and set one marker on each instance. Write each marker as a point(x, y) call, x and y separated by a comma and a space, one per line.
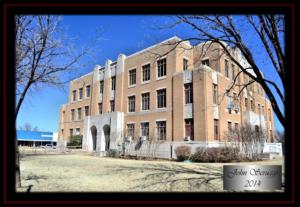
point(174, 178)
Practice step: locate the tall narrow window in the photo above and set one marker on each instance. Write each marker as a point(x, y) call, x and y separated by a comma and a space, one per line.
point(216, 129)
point(236, 127)
point(101, 86)
point(263, 110)
point(86, 110)
point(112, 106)
point(185, 64)
point(252, 105)
point(205, 62)
point(100, 108)
point(146, 72)
point(145, 129)
point(189, 128)
point(233, 71)
point(188, 91)
point(130, 130)
point(145, 101)
point(80, 93)
point(113, 83)
point(258, 109)
point(215, 93)
point(161, 130)
point(161, 98)
point(226, 69)
point(71, 132)
point(269, 114)
point(162, 68)
point(72, 114)
point(88, 91)
point(229, 127)
point(131, 103)
point(74, 95)
point(79, 113)
point(132, 77)
point(246, 103)
point(77, 132)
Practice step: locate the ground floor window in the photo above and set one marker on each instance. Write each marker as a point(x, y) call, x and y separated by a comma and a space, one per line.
point(161, 130)
point(189, 128)
point(71, 132)
point(145, 129)
point(112, 106)
point(130, 130)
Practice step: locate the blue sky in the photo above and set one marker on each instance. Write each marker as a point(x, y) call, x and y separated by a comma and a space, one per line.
point(118, 34)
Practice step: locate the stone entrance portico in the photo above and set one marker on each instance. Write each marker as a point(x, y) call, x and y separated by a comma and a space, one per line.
point(102, 132)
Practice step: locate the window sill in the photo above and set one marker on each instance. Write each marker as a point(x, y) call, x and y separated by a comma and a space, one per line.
point(145, 82)
point(131, 86)
point(161, 78)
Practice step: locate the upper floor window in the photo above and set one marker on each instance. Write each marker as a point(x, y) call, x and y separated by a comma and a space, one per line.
point(161, 127)
point(146, 72)
point(132, 77)
point(87, 110)
point(252, 105)
point(215, 94)
point(145, 101)
point(113, 83)
point(131, 103)
point(216, 129)
point(101, 86)
point(71, 132)
point(205, 62)
point(226, 69)
point(233, 71)
point(161, 98)
point(188, 90)
point(72, 114)
point(258, 108)
point(80, 93)
point(79, 113)
point(112, 106)
point(185, 64)
point(88, 91)
point(269, 114)
point(74, 95)
point(246, 103)
point(161, 67)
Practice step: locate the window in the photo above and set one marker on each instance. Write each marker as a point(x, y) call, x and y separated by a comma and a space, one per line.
point(161, 98)
point(145, 129)
point(72, 114)
point(101, 86)
point(80, 93)
point(185, 64)
point(88, 91)
point(252, 105)
point(189, 128)
point(113, 83)
point(74, 95)
point(145, 101)
point(215, 94)
point(132, 77)
point(146, 72)
point(188, 91)
point(86, 110)
point(229, 127)
point(161, 130)
point(131, 103)
point(130, 130)
point(236, 127)
point(216, 129)
point(271, 136)
point(269, 114)
point(263, 110)
point(162, 68)
point(100, 108)
point(246, 103)
point(77, 132)
point(233, 71)
point(71, 132)
point(226, 69)
point(205, 62)
point(258, 108)
point(79, 113)
point(112, 106)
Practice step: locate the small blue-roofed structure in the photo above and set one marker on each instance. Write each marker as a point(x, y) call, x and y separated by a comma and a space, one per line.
point(35, 138)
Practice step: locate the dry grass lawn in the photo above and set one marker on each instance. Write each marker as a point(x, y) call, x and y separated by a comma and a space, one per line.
point(86, 173)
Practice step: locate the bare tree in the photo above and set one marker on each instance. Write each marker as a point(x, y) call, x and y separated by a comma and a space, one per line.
point(42, 54)
point(225, 31)
point(27, 127)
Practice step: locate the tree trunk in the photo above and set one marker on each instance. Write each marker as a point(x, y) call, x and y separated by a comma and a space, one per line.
point(18, 175)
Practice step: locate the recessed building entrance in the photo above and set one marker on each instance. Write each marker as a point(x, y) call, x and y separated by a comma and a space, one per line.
point(94, 137)
point(106, 130)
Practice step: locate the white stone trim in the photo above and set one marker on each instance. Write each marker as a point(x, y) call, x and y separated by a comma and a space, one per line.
point(157, 120)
